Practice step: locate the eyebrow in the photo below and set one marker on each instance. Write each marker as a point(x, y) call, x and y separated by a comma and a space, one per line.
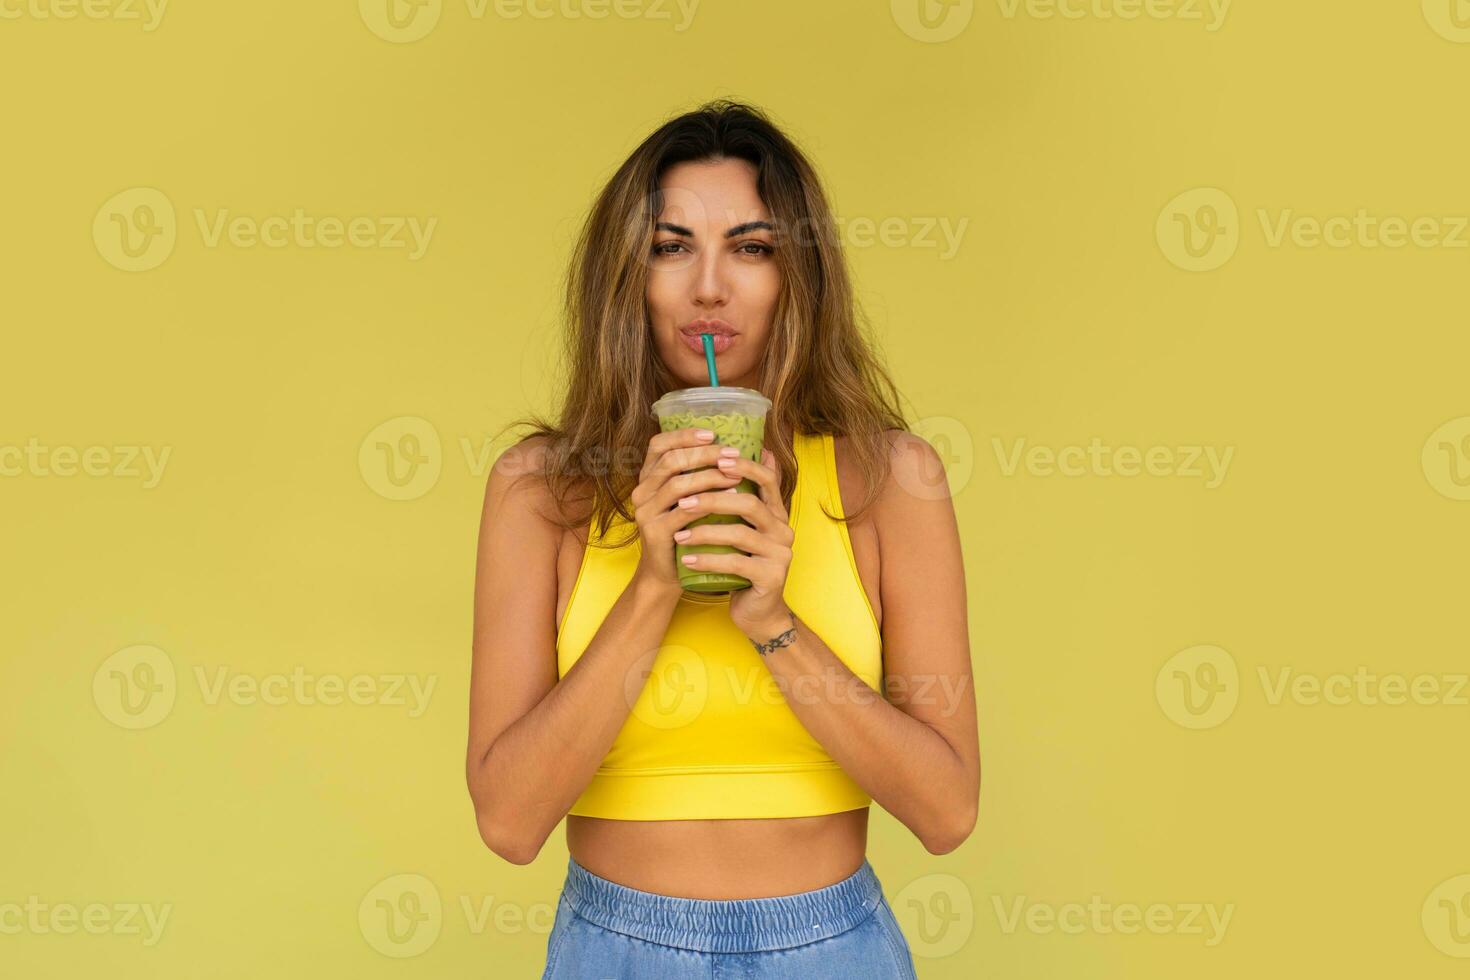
point(729, 233)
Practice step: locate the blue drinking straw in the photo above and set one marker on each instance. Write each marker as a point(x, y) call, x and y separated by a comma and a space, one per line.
point(709, 358)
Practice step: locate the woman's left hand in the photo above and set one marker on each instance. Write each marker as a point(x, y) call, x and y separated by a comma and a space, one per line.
point(760, 609)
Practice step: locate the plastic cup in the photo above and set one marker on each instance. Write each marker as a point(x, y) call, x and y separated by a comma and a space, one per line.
point(737, 417)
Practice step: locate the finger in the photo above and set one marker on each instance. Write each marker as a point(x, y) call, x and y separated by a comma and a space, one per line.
point(760, 572)
point(678, 460)
point(747, 539)
point(745, 505)
point(673, 439)
point(662, 501)
point(766, 479)
point(683, 459)
point(692, 484)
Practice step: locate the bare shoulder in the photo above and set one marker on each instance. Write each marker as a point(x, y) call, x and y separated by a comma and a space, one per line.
point(915, 480)
point(524, 459)
point(912, 461)
point(518, 483)
point(903, 444)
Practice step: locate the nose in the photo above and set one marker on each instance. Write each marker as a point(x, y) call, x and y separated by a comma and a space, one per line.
point(710, 286)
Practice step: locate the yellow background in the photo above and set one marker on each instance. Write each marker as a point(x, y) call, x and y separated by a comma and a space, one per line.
point(1334, 541)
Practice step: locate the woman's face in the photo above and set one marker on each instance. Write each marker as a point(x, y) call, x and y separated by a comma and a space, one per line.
point(712, 268)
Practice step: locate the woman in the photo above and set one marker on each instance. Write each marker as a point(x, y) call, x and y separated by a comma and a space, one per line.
point(715, 755)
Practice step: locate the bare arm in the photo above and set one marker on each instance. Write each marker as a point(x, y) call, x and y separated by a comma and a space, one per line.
point(917, 755)
point(535, 743)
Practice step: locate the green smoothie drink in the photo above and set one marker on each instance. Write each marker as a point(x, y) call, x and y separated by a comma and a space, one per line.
point(737, 417)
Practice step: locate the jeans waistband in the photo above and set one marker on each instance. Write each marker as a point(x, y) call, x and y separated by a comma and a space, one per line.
point(741, 925)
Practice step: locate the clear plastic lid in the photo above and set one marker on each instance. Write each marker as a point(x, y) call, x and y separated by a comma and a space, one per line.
point(712, 400)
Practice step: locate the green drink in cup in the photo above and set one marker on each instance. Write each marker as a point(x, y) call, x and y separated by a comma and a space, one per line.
point(737, 417)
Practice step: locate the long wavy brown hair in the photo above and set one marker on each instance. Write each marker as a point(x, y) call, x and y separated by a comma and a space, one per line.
point(818, 369)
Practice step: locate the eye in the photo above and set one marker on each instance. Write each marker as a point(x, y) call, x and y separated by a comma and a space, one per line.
point(663, 248)
point(761, 248)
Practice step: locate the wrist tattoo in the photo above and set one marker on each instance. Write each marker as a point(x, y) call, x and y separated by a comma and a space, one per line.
point(783, 640)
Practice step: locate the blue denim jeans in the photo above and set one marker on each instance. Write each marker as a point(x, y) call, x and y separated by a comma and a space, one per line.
point(604, 930)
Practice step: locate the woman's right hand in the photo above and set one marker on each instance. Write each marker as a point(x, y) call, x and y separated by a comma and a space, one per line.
point(655, 499)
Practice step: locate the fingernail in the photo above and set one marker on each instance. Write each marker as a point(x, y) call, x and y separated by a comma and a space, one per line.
point(705, 434)
point(682, 535)
point(729, 451)
point(687, 501)
point(733, 490)
point(723, 461)
point(689, 559)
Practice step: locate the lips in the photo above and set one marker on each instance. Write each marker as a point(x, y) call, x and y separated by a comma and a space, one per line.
point(723, 334)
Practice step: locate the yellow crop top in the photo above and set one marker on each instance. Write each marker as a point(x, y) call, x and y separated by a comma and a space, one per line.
point(710, 735)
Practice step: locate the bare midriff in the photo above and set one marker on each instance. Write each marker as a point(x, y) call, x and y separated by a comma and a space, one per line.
point(722, 859)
